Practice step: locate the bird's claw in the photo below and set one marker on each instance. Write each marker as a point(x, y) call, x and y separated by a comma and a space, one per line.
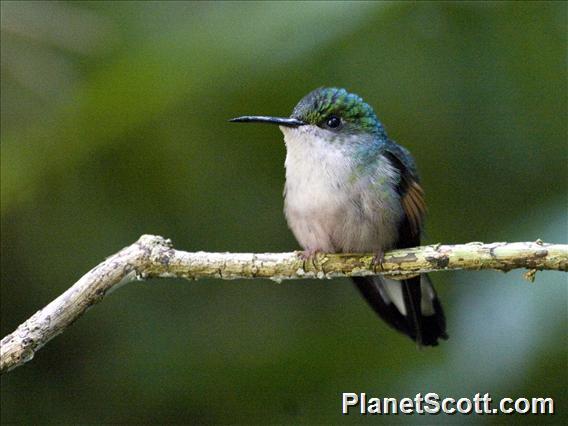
point(377, 261)
point(309, 255)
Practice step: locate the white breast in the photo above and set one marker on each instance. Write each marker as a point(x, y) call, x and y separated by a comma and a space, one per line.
point(326, 209)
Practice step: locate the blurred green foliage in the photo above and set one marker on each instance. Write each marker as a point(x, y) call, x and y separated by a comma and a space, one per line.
point(114, 124)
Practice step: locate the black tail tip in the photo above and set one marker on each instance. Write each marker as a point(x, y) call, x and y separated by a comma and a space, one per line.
point(432, 340)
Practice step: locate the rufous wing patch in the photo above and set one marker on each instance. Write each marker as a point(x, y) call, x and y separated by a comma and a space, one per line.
point(414, 205)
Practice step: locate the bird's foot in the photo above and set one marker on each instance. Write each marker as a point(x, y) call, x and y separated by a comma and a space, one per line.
point(309, 255)
point(377, 261)
point(377, 264)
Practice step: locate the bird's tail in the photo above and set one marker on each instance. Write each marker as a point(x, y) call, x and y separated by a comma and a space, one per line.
point(409, 306)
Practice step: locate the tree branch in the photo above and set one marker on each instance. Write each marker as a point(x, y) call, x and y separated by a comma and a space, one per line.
point(154, 257)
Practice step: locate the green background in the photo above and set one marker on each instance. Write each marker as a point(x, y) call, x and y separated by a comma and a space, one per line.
point(114, 124)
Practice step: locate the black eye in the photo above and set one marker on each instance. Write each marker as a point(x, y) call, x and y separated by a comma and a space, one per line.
point(333, 122)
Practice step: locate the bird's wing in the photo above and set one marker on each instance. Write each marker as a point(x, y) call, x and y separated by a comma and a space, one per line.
point(410, 306)
point(411, 196)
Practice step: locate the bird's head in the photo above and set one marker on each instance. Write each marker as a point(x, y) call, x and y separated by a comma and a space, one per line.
point(331, 113)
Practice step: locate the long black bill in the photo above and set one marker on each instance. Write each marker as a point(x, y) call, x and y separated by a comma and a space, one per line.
point(288, 122)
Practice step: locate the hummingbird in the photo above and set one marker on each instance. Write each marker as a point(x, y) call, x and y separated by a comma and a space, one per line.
point(351, 189)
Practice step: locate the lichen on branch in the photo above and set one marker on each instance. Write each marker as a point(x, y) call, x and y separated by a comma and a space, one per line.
point(154, 257)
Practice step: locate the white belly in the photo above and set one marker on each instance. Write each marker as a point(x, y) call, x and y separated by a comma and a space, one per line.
point(327, 207)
